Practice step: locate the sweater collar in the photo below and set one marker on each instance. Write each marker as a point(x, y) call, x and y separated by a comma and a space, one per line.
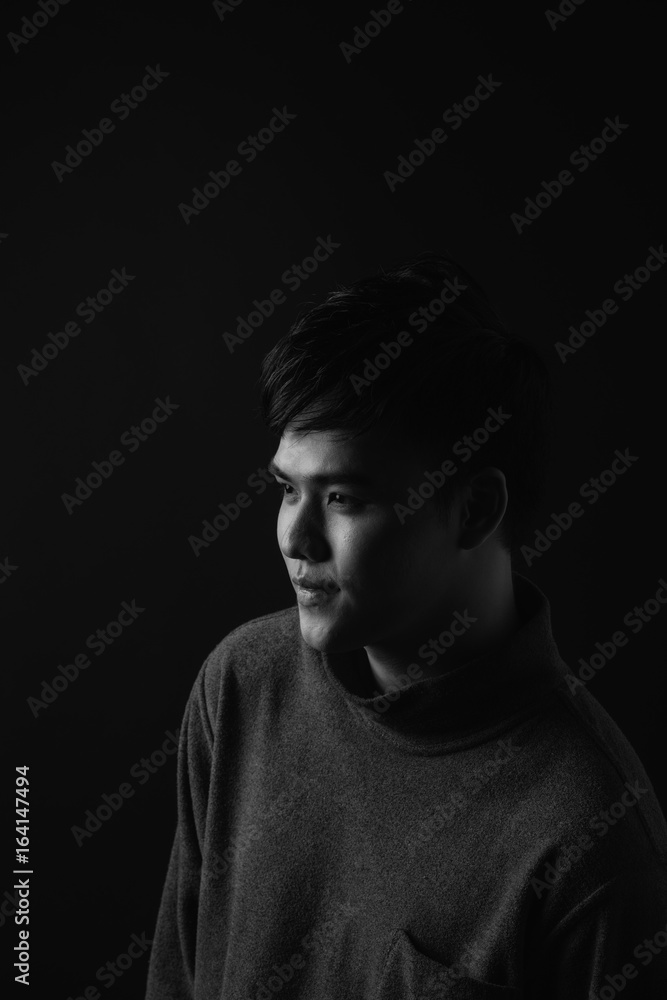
point(473, 701)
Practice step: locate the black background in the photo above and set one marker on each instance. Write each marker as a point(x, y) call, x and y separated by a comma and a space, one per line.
point(321, 176)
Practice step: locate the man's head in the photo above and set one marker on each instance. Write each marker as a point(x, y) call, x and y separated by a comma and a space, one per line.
point(450, 399)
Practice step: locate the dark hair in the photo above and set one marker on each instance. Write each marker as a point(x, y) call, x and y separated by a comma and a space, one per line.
point(461, 361)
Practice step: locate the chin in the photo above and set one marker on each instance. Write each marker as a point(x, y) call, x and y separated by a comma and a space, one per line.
point(326, 638)
point(317, 638)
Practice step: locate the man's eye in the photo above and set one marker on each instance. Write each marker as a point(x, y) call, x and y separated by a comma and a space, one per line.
point(338, 499)
point(343, 500)
point(282, 487)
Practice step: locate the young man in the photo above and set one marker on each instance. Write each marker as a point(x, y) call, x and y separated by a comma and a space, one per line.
point(395, 788)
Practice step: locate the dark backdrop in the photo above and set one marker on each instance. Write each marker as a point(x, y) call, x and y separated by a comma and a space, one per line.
point(68, 567)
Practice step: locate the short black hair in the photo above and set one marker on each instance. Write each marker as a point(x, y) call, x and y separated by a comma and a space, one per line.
point(460, 362)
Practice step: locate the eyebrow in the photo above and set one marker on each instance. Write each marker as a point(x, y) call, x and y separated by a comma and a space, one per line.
point(328, 479)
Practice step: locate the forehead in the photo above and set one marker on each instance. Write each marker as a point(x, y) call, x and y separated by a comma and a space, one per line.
point(373, 457)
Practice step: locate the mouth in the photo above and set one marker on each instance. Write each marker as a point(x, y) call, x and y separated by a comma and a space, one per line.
point(314, 593)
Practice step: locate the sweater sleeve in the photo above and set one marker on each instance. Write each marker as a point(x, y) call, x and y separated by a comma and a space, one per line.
point(614, 942)
point(171, 973)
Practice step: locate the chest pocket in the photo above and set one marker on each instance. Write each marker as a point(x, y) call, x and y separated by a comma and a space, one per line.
point(409, 975)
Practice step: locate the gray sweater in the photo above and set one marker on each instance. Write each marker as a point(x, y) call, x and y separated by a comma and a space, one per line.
point(486, 833)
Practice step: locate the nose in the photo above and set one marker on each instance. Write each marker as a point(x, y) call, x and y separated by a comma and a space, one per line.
point(301, 534)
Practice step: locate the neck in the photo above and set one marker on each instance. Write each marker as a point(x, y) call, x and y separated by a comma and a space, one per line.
point(482, 617)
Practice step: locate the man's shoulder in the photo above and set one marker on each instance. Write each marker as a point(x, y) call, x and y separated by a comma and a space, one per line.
point(254, 655)
point(585, 769)
point(272, 636)
point(591, 743)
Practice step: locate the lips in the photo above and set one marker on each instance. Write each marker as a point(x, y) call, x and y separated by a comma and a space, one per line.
point(314, 584)
point(316, 598)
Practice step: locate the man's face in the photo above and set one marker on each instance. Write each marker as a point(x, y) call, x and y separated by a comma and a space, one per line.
point(382, 582)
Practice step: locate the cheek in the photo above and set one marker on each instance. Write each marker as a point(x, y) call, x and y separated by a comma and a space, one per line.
point(282, 523)
point(376, 551)
point(403, 555)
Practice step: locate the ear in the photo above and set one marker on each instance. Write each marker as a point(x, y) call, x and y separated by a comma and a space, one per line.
point(483, 504)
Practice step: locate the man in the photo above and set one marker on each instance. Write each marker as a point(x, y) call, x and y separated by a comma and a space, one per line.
point(396, 788)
